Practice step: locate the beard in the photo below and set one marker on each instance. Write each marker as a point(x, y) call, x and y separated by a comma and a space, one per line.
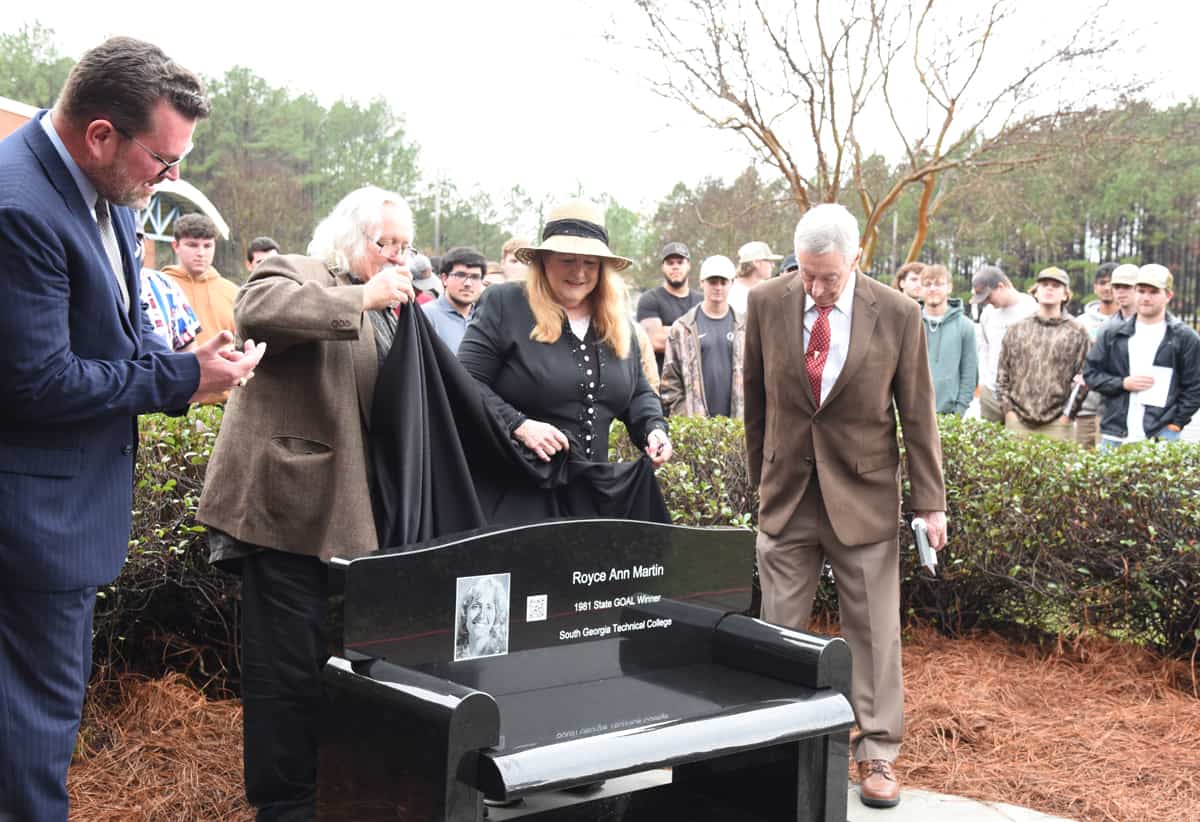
point(118, 189)
point(460, 302)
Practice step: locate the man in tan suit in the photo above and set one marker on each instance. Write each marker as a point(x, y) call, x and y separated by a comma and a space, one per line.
point(831, 356)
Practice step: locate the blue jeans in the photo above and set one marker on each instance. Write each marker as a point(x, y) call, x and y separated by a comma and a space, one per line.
point(1164, 435)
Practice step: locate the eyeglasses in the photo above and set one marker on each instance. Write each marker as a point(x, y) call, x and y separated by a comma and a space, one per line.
point(474, 278)
point(388, 249)
point(167, 165)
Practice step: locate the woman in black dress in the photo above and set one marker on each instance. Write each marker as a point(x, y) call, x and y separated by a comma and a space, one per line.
point(556, 355)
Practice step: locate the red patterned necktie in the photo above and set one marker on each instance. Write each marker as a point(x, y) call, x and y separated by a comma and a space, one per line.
point(818, 350)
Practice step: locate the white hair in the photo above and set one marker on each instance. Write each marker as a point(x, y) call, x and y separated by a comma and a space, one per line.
point(827, 227)
point(341, 238)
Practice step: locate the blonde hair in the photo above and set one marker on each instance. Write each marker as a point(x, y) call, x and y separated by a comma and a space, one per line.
point(610, 315)
point(512, 245)
point(933, 273)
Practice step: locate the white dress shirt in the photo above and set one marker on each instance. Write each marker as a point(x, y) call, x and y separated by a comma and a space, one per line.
point(839, 333)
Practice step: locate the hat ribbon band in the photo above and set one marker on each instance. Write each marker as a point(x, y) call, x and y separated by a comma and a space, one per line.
point(574, 228)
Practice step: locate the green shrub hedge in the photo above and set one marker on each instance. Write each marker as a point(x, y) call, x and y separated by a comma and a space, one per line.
point(1047, 536)
point(1044, 538)
point(169, 608)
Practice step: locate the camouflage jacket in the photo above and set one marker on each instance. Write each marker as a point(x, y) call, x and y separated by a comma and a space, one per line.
point(1038, 360)
point(682, 377)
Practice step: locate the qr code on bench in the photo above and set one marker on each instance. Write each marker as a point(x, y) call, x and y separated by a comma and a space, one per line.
point(535, 608)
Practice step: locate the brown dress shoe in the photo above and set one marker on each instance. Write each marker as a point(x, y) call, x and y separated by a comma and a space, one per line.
point(878, 786)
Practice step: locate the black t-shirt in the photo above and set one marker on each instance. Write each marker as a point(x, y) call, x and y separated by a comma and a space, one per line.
point(660, 303)
point(716, 362)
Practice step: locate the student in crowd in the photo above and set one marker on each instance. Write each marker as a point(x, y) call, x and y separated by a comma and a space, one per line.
point(494, 275)
point(1096, 314)
point(427, 284)
point(908, 280)
point(462, 282)
point(950, 338)
point(754, 266)
point(208, 293)
point(259, 249)
point(1147, 367)
point(702, 373)
point(1124, 281)
point(1003, 306)
point(659, 307)
point(514, 270)
point(1039, 361)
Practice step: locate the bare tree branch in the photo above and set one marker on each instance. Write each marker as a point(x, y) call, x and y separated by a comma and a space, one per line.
point(761, 68)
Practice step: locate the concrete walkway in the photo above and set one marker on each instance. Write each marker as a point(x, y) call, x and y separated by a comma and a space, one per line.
point(923, 806)
point(915, 805)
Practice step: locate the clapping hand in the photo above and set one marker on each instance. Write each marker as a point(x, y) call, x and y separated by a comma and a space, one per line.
point(223, 367)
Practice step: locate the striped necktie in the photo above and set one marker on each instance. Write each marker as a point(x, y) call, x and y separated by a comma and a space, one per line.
point(109, 236)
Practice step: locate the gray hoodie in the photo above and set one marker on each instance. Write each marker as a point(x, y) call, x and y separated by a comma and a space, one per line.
point(953, 359)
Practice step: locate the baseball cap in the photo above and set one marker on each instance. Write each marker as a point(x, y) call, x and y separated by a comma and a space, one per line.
point(789, 262)
point(1156, 275)
point(1055, 273)
point(675, 250)
point(984, 282)
point(1125, 274)
point(421, 270)
point(717, 266)
point(757, 250)
point(419, 266)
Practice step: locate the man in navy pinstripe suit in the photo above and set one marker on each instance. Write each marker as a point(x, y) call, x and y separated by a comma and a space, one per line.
point(78, 363)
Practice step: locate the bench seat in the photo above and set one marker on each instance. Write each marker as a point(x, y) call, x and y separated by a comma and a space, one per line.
point(706, 711)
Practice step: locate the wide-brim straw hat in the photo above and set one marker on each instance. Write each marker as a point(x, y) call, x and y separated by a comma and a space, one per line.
point(575, 227)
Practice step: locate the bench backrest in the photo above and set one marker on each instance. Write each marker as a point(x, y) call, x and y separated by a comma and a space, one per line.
point(554, 603)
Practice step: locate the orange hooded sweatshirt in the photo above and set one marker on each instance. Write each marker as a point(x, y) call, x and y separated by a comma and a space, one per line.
point(211, 297)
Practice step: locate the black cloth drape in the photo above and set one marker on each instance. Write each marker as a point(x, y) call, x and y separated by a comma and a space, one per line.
point(443, 462)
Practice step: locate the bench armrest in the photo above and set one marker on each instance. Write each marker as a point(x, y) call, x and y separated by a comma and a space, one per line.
point(469, 717)
point(759, 647)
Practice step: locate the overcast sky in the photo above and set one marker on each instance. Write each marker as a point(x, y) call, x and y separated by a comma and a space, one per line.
point(527, 91)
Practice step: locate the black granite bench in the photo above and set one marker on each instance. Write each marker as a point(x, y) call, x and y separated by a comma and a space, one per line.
point(594, 649)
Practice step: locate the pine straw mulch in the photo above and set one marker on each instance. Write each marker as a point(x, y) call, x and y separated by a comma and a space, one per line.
point(157, 751)
point(1094, 731)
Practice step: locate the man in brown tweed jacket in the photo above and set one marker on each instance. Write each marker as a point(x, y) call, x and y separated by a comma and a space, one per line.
point(831, 357)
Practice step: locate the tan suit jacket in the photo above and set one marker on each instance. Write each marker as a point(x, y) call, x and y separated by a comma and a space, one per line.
point(850, 441)
point(289, 468)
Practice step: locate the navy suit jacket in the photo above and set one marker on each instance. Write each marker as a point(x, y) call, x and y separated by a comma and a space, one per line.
point(75, 371)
